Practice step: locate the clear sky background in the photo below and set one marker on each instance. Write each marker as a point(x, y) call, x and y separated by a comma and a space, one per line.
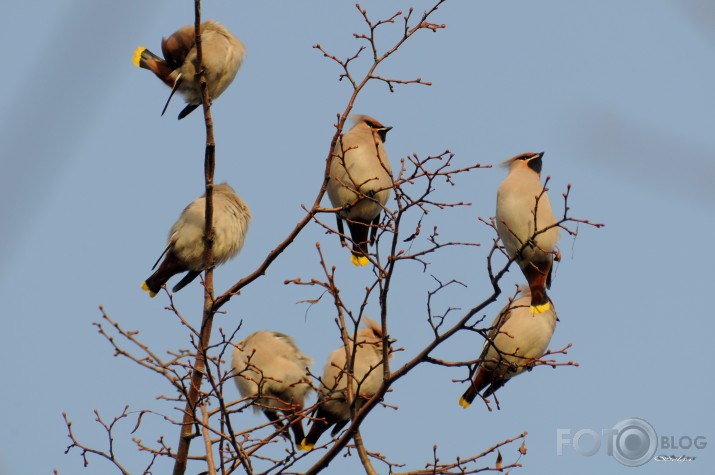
point(618, 94)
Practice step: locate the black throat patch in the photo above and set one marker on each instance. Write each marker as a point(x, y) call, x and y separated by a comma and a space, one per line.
point(535, 164)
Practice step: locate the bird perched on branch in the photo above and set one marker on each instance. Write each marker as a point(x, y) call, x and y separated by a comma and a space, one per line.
point(222, 55)
point(526, 224)
point(269, 367)
point(185, 246)
point(360, 183)
point(517, 339)
point(365, 380)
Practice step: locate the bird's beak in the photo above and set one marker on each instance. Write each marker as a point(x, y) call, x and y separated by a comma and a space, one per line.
point(382, 132)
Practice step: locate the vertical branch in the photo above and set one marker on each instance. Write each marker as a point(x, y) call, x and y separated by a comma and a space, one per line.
point(362, 453)
point(199, 368)
point(207, 441)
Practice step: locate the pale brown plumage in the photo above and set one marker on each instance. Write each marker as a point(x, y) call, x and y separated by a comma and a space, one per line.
point(365, 381)
point(360, 183)
point(222, 54)
point(518, 337)
point(528, 237)
point(270, 368)
point(185, 246)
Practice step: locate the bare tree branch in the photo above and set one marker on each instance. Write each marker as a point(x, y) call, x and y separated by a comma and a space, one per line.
point(410, 233)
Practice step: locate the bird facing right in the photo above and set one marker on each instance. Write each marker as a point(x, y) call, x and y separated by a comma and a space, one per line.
point(517, 338)
point(360, 183)
point(366, 378)
point(222, 55)
point(526, 224)
point(270, 368)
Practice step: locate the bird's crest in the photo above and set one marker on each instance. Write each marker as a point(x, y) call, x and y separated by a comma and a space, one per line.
point(522, 156)
point(372, 328)
point(361, 118)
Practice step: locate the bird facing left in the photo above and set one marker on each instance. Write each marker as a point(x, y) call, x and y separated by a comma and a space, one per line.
point(222, 55)
point(185, 246)
point(517, 338)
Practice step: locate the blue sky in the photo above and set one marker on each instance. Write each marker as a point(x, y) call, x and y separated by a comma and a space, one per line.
point(618, 94)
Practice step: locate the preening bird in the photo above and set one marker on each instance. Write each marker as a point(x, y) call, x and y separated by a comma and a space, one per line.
point(222, 55)
point(366, 378)
point(360, 183)
point(523, 216)
point(518, 337)
point(185, 246)
point(270, 368)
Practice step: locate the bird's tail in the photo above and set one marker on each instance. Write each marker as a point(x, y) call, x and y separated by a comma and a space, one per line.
point(481, 380)
point(152, 285)
point(145, 59)
point(537, 275)
point(153, 290)
point(167, 269)
point(468, 397)
point(296, 426)
point(359, 232)
point(319, 425)
point(358, 259)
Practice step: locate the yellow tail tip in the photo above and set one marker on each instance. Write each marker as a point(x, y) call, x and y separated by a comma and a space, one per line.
point(305, 446)
point(359, 261)
point(148, 290)
point(536, 309)
point(137, 55)
point(463, 402)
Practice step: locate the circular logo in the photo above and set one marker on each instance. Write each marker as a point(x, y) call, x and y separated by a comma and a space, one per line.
point(635, 442)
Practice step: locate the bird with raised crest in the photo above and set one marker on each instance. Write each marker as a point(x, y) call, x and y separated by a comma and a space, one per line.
point(333, 409)
point(526, 224)
point(360, 183)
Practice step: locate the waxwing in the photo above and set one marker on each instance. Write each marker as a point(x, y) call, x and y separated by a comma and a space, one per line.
point(185, 246)
point(333, 407)
point(222, 55)
point(532, 242)
point(360, 164)
point(270, 368)
point(518, 337)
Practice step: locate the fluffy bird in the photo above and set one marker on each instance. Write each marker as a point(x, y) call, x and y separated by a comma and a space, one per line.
point(517, 338)
point(333, 407)
point(222, 54)
point(360, 183)
point(270, 368)
point(185, 246)
point(523, 216)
